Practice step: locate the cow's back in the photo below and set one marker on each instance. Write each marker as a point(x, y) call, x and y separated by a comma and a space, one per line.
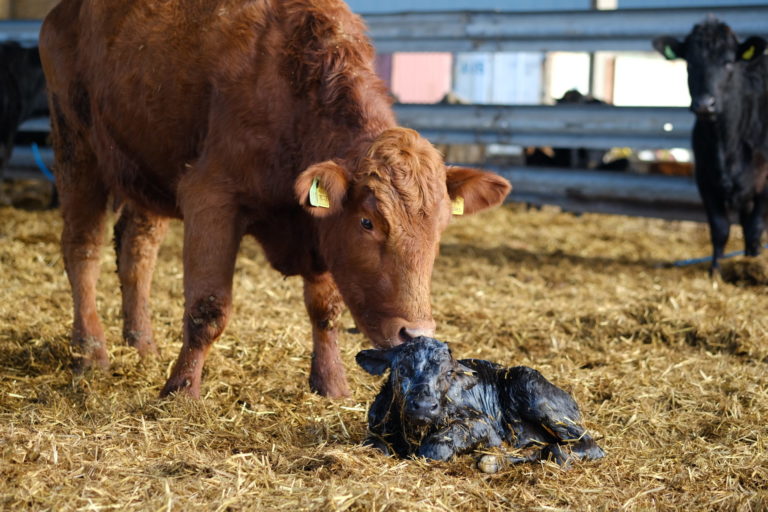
point(158, 86)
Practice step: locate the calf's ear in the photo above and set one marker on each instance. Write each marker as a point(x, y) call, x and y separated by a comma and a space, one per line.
point(466, 377)
point(472, 190)
point(752, 48)
point(374, 361)
point(322, 187)
point(669, 47)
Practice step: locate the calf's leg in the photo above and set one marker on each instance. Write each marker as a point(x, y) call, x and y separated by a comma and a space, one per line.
point(138, 235)
point(324, 306)
point(459, 437)
point(212, 234)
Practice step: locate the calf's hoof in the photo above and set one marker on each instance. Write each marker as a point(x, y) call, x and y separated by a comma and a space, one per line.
point(435, 451)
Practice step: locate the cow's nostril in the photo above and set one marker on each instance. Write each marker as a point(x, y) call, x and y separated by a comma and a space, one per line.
point(410, 333)
point(424, 406)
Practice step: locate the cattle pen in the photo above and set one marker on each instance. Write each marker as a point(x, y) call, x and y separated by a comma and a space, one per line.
point(667, 364)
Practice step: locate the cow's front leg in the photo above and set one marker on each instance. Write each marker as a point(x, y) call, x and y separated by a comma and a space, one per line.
point(459, 437)
point(719, 227)
point(212, 234)
point(324, 306)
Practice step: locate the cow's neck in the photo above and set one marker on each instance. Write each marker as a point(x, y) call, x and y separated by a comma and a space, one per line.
point(347, 135)
point(739, 125)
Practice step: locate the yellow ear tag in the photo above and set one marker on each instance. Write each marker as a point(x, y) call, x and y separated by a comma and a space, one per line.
point(318, 196)
point(749, 53)
point(457, 206)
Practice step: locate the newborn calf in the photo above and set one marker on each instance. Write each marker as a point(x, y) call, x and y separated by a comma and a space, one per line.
point(436, 407)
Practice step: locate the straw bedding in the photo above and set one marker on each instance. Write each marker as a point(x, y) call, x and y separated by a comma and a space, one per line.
point(669, 367)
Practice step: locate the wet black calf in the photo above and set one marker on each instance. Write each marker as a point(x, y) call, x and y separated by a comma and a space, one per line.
point(436, 407)
point(728, 82)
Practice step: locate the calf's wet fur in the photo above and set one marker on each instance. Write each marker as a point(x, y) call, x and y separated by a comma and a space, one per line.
point(435, 406)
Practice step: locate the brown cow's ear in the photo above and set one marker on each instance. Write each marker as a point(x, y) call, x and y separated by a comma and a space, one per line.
point(475, 189)
point(321, 188)
point(669, 47)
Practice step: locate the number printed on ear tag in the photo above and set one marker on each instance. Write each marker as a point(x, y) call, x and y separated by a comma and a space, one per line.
point(457, 206)
point(318, 196)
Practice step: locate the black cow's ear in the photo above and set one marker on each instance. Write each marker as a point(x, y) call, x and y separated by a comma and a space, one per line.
point(669, 47)
point(466, 377)
point(752, 48)
point(375, 362)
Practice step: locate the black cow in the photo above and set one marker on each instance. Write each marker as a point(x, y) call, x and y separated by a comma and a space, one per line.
point(436, 407)
point(22, 93)
point(582, 158)
point(728, 82)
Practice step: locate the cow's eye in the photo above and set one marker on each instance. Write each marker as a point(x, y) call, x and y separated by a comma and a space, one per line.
point(366, 223)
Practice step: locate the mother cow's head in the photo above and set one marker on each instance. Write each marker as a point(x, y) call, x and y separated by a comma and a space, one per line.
point(381, 224)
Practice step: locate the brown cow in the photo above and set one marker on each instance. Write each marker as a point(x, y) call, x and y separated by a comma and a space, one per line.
point(230, 114)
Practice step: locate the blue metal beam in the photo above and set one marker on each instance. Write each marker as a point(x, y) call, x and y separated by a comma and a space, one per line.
point(588, 126)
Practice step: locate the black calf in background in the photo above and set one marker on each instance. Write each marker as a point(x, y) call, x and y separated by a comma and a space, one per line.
point(728, 82)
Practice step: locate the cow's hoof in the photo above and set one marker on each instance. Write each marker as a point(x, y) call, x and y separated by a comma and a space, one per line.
point(375, 442)
point(82, 365)
point(89, 354)
point(489, 464)
point(330, 388)
point(143, 343)
point(435, 451)
point(181, 385)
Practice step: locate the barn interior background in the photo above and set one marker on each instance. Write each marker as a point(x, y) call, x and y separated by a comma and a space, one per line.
point(481, 80)
point(668, 367)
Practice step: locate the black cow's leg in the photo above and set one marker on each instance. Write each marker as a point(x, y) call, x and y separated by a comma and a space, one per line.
point(719, 231)
point(212, 233)
point(324, 306)
point(138, 235)
point(753, 225)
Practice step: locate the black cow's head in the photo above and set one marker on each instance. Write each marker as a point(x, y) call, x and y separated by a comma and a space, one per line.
point(423, 374)
point(713, 54)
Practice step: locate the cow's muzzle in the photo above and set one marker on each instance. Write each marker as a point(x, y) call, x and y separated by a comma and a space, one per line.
point(704, 106)
point(422, 409)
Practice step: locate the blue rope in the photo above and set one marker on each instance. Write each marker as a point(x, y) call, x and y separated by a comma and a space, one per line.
point(40, 164)
point(684, 263)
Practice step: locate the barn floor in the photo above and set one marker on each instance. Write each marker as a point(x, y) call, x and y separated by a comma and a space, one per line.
point(670, 369)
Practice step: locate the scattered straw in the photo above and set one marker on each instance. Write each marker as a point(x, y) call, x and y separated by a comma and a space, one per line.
point(670, 370)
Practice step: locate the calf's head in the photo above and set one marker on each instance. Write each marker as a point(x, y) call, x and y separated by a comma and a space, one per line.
point(423, 375)
point(713, 54)
point(381, 212)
